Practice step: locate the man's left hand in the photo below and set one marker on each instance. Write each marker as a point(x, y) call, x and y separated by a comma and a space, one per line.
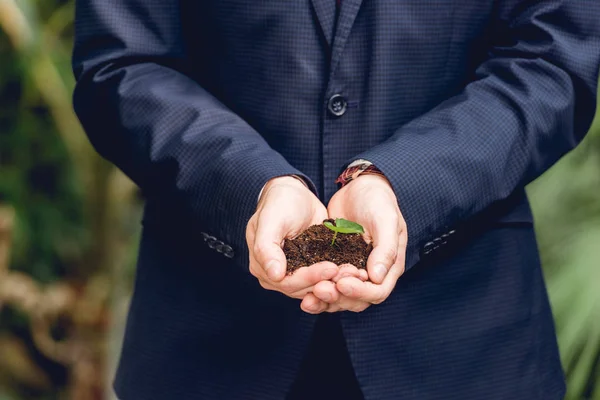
point(370, 201)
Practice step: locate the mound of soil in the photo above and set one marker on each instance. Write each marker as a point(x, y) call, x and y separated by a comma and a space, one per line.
point(314, 245)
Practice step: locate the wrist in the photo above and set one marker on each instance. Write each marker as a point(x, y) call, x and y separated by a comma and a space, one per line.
point(285, 179)
point(373, 177)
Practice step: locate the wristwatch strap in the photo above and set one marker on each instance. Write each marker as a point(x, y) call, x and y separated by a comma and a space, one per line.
point(355, 169)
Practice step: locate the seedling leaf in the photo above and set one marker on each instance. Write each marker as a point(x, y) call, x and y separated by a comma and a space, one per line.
point(343, 226)
point(329, 225)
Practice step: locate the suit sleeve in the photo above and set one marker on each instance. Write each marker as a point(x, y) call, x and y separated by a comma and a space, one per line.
point(531, 101)
point(169, 135)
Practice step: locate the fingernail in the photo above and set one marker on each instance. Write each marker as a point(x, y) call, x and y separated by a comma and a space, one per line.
point(273, 269)
point(379, 271)
point(329, 273)
point(326, 297)
point(346, 290)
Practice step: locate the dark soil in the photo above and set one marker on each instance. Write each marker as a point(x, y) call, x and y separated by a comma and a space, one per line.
point(314, 245)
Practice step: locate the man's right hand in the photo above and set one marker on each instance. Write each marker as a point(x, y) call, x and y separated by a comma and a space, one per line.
point(285, 209)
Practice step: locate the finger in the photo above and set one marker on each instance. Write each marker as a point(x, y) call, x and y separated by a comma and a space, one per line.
point(399, 266)
point(326, 291)
point(343, 303)
point(267, 250)
point(333, 308)
point(363, 274)
point(346, 270)
point(298, 284)
point(307, 277)
point(250, 231)
point(368, 292)
point(259, 273)
point(312, 305)
point(385, 251)
point(295, 295)
point(352, 305)
point(254, 268)
point(371, 292)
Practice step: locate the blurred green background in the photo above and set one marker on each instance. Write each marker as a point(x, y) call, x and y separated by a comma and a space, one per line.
point(69, 224)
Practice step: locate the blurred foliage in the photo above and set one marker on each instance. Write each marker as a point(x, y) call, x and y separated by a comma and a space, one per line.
point(36, 177)
point(566, 205)
point(75, 217)
point(76, 221)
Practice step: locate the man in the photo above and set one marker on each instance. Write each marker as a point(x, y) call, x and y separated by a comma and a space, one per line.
point(431, 115)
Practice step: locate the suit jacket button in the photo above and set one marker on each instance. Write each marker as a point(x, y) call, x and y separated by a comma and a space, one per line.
point(427, 249)
point(213, 244)
point(228, 251)
point(337, 105)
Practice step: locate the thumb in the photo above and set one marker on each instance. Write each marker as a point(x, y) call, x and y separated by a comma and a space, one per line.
point(267, 248)
point(385, 250)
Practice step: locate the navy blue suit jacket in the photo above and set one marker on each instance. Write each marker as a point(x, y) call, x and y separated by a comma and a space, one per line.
point(460, 103)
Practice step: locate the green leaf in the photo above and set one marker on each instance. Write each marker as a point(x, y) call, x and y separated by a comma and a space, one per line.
point(344, 226)
point(330, 225)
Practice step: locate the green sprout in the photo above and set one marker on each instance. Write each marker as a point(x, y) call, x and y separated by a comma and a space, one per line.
point(343, 226)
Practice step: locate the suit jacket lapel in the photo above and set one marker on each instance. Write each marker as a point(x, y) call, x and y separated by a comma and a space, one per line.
point(349, 11)
point(325, 11)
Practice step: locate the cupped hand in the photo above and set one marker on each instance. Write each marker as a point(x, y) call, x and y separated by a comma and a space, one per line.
point(370, 201)
point(285, 209)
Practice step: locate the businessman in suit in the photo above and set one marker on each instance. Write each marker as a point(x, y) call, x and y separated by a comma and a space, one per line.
point(244, 122)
